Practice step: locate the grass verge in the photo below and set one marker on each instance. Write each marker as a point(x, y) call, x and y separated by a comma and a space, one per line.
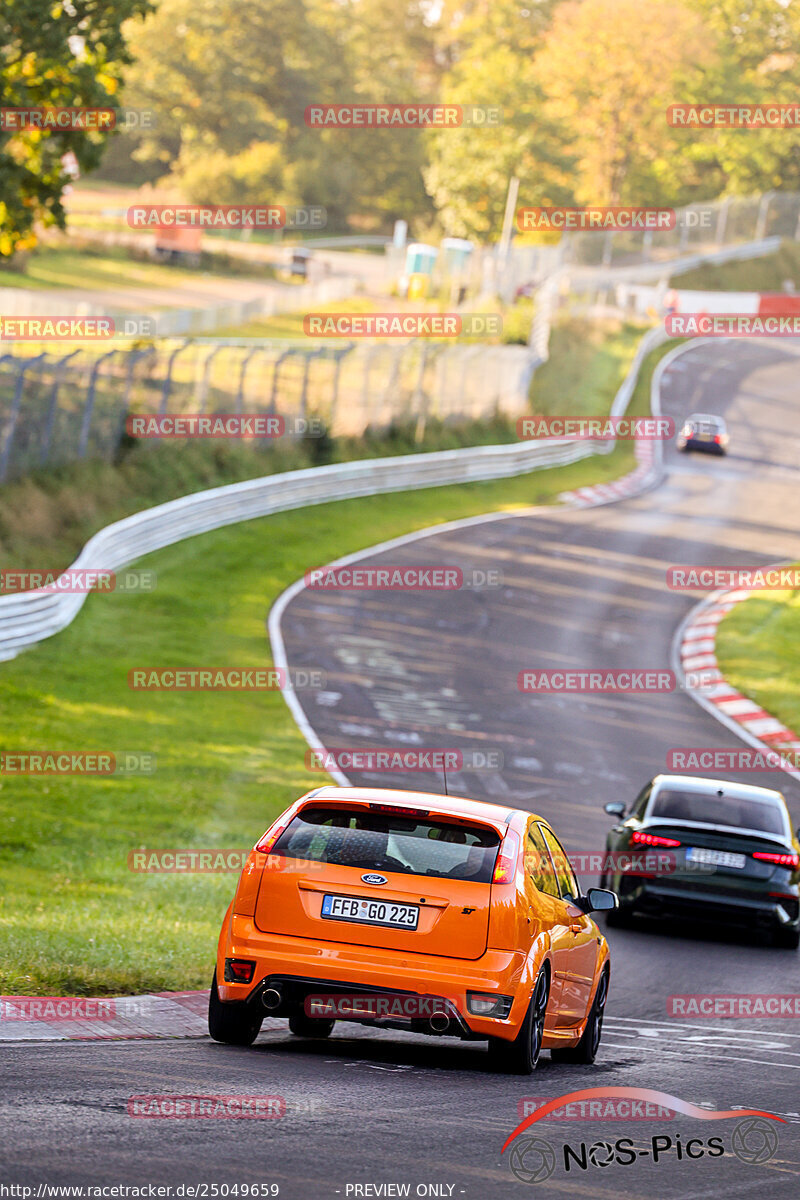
point(73, 918)
point(758, 650)
point(767, 274)
point(88, 266)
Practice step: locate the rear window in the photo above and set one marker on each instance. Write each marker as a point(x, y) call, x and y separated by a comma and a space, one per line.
point(384, 842)
point(764, 815)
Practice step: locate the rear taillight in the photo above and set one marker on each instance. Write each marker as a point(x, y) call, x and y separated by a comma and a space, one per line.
point(651, 839)
point(506, 863)
point(271, 836)
point(780, 860)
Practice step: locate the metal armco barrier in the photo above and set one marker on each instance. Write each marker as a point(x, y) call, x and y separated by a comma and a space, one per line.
point(30, 617)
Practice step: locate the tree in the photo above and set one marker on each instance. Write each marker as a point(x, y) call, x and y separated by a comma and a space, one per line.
point(757, 62)
point(609, 69)
point(231, 80)
point(491, 51)
point(63, 53)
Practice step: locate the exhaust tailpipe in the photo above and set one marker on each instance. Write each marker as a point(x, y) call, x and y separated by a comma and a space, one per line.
point(271, 999)
point(439, 1022)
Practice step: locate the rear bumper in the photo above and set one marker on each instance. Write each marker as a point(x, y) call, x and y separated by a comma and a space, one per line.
point(707, 447)
point(303, 968)
point(674, 899)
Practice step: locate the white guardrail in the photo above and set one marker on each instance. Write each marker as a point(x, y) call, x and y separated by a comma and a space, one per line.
point(29, 617)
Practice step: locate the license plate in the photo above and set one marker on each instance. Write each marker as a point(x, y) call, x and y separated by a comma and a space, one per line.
point(715, 858)
point(370, 912)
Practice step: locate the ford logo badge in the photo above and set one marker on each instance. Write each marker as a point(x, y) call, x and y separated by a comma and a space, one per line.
point(374, 878)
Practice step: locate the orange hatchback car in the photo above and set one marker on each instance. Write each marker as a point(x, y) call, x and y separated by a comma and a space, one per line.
point(421, 912)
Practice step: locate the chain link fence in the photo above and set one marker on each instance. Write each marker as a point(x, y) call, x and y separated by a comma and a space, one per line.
point(700, 229)
point(56, 408)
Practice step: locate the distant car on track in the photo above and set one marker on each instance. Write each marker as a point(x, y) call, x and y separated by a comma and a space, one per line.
point(731, 855)
point(382, 902)
point(703, 431)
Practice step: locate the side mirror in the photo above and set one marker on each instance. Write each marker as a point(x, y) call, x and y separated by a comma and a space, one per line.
point(595, 900)
point(601, 900)
point(615, 808)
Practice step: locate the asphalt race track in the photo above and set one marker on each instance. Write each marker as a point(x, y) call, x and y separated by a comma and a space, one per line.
point(580, 589)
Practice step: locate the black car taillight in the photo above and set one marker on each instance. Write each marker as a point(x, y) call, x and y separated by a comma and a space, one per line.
point(239, 970)
point(651, 839)
point(792, 861)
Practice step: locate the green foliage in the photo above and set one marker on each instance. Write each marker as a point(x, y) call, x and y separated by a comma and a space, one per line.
point(758, 651)
point(54, 53)
point(233, 79)
point(582, 87)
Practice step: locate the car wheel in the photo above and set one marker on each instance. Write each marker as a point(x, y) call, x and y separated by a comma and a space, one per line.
point(521, 1056)
point(310, 1027)
point(233, 1023)
point(587, 1047)
point(788, 939)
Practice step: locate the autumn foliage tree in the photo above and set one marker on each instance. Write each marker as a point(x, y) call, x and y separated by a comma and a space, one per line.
point(54, 53)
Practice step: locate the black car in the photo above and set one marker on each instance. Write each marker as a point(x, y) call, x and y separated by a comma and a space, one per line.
point(718, 851)
point(703, 431)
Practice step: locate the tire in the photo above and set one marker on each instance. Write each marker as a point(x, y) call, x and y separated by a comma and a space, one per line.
point(587, 1047)
point(787, 939)
point(310, 1027)
point(233, 1023)
point(521, 1056)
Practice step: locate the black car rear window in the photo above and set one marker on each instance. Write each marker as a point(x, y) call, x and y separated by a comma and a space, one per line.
point(385, 842)
point(746, 813)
